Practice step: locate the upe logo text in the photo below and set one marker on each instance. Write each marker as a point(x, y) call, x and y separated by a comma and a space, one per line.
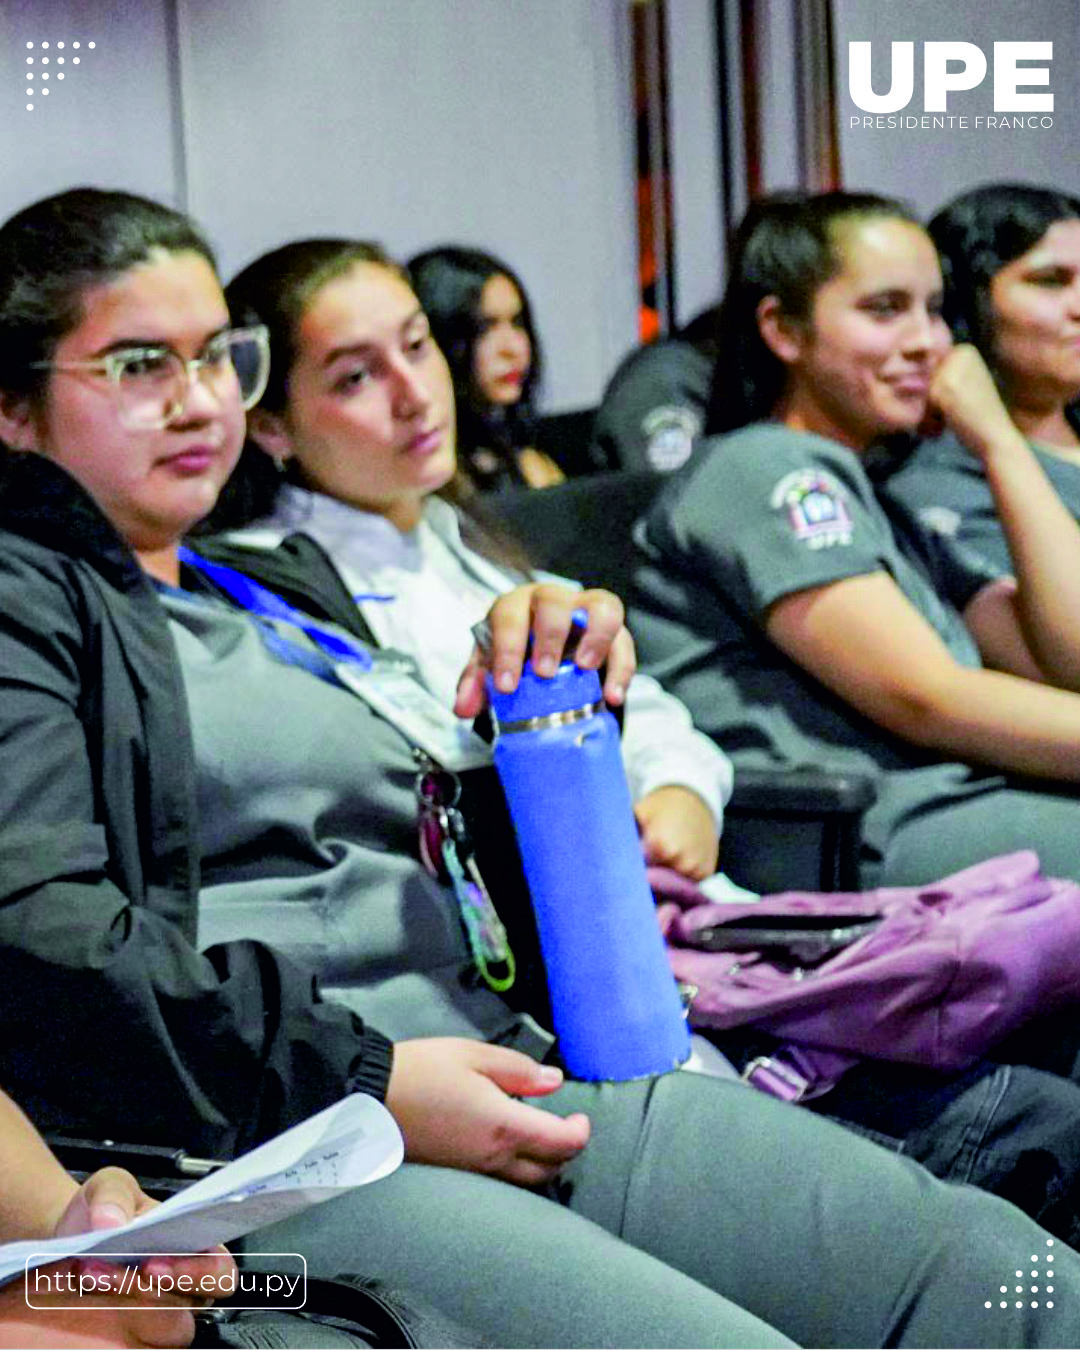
point(969, 70)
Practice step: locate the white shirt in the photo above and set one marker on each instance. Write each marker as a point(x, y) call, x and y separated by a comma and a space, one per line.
point(421, 592)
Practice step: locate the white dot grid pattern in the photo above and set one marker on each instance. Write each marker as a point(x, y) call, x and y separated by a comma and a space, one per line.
point(45, 61)
point(1034, 1289)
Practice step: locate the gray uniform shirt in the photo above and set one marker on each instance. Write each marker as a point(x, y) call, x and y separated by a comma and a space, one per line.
point(308, 834)
point(942, 489)
point(764, 513)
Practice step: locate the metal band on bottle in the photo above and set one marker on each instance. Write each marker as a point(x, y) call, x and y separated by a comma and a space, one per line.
point(555, 719)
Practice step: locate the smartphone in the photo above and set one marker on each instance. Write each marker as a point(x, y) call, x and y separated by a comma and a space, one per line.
point(803, 938)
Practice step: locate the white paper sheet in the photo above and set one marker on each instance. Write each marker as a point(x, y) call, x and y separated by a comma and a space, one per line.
point(349, 1144)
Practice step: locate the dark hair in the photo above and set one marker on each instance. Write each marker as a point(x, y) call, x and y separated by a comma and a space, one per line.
point(53, 251)
point(785, 246)
point(449, 281)
point(978, 234)
point(276, 290)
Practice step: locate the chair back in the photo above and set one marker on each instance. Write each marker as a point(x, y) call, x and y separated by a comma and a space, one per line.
point(583, 528)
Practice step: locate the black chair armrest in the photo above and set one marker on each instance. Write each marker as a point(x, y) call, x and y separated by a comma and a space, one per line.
point(795, 829)
point(809, 791)
point(160, 1171)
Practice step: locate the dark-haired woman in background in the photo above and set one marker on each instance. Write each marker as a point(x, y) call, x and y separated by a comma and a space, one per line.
point(1011, 263)
point(148, 730)
point(481, 318)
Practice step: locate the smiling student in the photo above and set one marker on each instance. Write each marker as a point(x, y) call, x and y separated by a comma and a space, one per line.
point(150, 732)
point(799, 625)
point(1011, 261)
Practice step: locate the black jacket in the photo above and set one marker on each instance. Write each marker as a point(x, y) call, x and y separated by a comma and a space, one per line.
point(111, 1021)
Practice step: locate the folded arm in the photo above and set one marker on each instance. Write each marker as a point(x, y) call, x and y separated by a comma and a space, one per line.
point(1033, 630)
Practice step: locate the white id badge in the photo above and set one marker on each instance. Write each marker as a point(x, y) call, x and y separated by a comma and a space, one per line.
point(404, 702)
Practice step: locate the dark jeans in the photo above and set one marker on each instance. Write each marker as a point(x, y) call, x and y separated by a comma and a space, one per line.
point(1010, 1125)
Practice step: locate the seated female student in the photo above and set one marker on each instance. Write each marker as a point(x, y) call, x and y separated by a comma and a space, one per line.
point(363, 443)
point(792, 618)
point(357, 378)
point(39, 1200)
point(1011, 262)
point(148, 730)
point(481, 319)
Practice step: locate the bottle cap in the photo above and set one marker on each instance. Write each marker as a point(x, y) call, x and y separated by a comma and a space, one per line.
point(570, 687)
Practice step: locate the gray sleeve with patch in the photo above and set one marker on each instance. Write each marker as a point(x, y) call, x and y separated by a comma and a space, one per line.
point(770, 511)
point(941, 490)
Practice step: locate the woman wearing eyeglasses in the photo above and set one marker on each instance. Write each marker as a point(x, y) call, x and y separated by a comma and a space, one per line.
point(148, 731)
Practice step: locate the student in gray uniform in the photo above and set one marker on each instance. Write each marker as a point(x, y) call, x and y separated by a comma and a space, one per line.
point(652, 412)
point(799, 625)
point(1010, 256)
point(689, 1217)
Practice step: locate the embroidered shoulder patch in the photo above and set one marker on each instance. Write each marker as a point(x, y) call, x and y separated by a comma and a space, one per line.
point(816, 507)
point(940, 519)
point(670, 433)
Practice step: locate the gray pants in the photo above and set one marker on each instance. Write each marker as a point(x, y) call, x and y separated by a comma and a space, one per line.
point(925, 825)
point(756, 1210)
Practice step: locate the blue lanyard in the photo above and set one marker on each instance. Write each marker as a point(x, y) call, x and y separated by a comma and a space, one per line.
point(257, 599)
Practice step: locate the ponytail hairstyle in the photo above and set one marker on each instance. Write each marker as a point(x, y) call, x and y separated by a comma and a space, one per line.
point(276, 290)
point(787, 246)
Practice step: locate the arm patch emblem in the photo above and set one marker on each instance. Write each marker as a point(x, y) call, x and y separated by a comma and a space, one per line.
point(815, 506)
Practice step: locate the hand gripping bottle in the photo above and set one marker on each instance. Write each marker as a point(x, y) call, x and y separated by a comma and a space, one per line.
point(615, 1004)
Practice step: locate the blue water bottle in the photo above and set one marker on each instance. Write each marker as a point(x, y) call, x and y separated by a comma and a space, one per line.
point(614, 1000)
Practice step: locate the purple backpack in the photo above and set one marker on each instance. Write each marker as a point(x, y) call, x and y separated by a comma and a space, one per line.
point(946, 971)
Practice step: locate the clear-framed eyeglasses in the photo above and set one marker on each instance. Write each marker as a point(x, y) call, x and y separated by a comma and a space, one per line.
point(151, 384)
